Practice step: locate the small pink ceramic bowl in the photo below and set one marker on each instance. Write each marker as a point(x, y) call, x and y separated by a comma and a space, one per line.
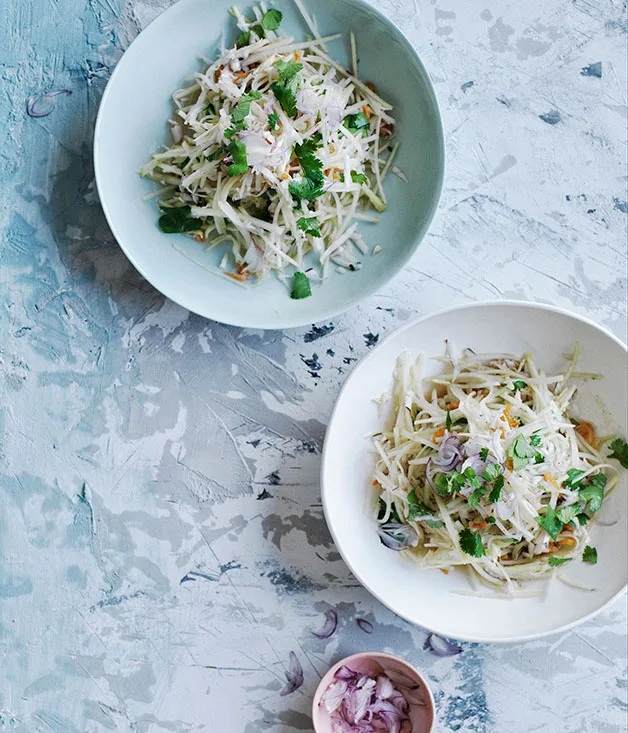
point(373, 664)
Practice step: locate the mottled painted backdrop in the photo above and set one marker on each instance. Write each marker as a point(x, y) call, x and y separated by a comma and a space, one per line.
point(162, 544)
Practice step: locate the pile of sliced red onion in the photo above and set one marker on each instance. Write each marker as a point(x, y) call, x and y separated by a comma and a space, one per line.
point(362, 704)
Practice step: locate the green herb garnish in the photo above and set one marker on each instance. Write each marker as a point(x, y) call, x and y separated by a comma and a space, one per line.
point(589, 555)
point(286, 88)
point(312, 184)
point(518, 384)
point(550, 523)
point(567, 513)
point(309, 225)
point(271, 20)
point(491, 472)
point(554, 562)
point(535, 439)
point(178, 221)
point(619, 449)
point(521, 452)
point(484, 453)
point(448, 420)
point(357, 123)
point(242, 108)
point(496, 491)
point(300, 286)
point(573, 478)
point(594, 492)
point(471, 543)
point(359, 178)
point(273, 117)
point(238, 154)
point(243, 39)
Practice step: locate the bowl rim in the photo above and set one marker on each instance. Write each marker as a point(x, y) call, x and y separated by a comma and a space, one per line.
point(296, 321)
point(325, 457)
point(374, 655)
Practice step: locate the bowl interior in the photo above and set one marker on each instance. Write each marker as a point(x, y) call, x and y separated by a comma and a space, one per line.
point(429, 598)
point(132, 124)
point(399, 672)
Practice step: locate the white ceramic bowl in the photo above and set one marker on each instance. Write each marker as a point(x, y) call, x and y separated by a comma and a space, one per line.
point(428, 598)
point(132, 123)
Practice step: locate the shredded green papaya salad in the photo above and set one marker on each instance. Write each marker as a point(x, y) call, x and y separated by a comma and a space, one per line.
point(484, 467)
point(278, 151)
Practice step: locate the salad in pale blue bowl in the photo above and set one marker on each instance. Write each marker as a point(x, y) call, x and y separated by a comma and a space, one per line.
point(265, 166)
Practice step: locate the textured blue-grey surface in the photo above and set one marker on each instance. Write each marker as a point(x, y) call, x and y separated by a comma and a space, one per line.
point(162, 545)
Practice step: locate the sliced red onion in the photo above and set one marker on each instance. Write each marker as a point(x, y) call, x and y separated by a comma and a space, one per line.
point(41, 105)
point(344, 673)
point(449, 454)
point(441, 646)
point(366, 626)
point(429, 477)
point(362, 704)
point(294, 675)
point(331, 621)
point(397, 536)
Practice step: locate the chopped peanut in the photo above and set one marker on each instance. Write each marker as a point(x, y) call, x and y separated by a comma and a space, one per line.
point(218, 72)
point(199, 236)
point(568, 528)
point(371, 86)
point(367, 111)
point(241, 75)
point(550, 479)
point(445, 571)
point(566, 542)
point(587, 431)
point(375, 482)
point(454, 405)
point(479, 525)
point(439, 433)
point(509, 464)
point(240, 277)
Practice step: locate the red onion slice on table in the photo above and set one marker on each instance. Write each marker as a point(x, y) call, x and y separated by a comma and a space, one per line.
point(41, 105)
point(441, 646)
point(294, 675)
point(366, 626)
point(331, 621)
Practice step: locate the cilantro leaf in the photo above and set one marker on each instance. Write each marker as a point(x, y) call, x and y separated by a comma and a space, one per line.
point(286, 97)
point(242, 108)
point(554, 562)
point(471, 543)
point(519, 384)
point(594, 492)
point(312, 184)
point(474, 498)
point(238, 154)
point(491, 472)
point(589, 555)
point(178, 221)
point(490, 520)
point(484, 454)
point(521, 452)
point(416, 508)
point(243, 39)
point(567, 513)
point(309, 226)
point(535, 439)
point(434, 523)
point(583, 519)
point(229, 133)
point(359, 178)
point(448, 483)
point(448, 420)
point(357, 123)
point(550, 523)
point(573, 478)
point(472, 477)
point(271, 19)
point(300, 286)
point(496, 491)
point(285, 89)
point(272, 120)
point(287, 70)
point(619, 449)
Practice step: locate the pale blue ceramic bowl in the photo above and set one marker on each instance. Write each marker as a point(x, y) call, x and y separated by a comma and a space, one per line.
point(132, 123)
